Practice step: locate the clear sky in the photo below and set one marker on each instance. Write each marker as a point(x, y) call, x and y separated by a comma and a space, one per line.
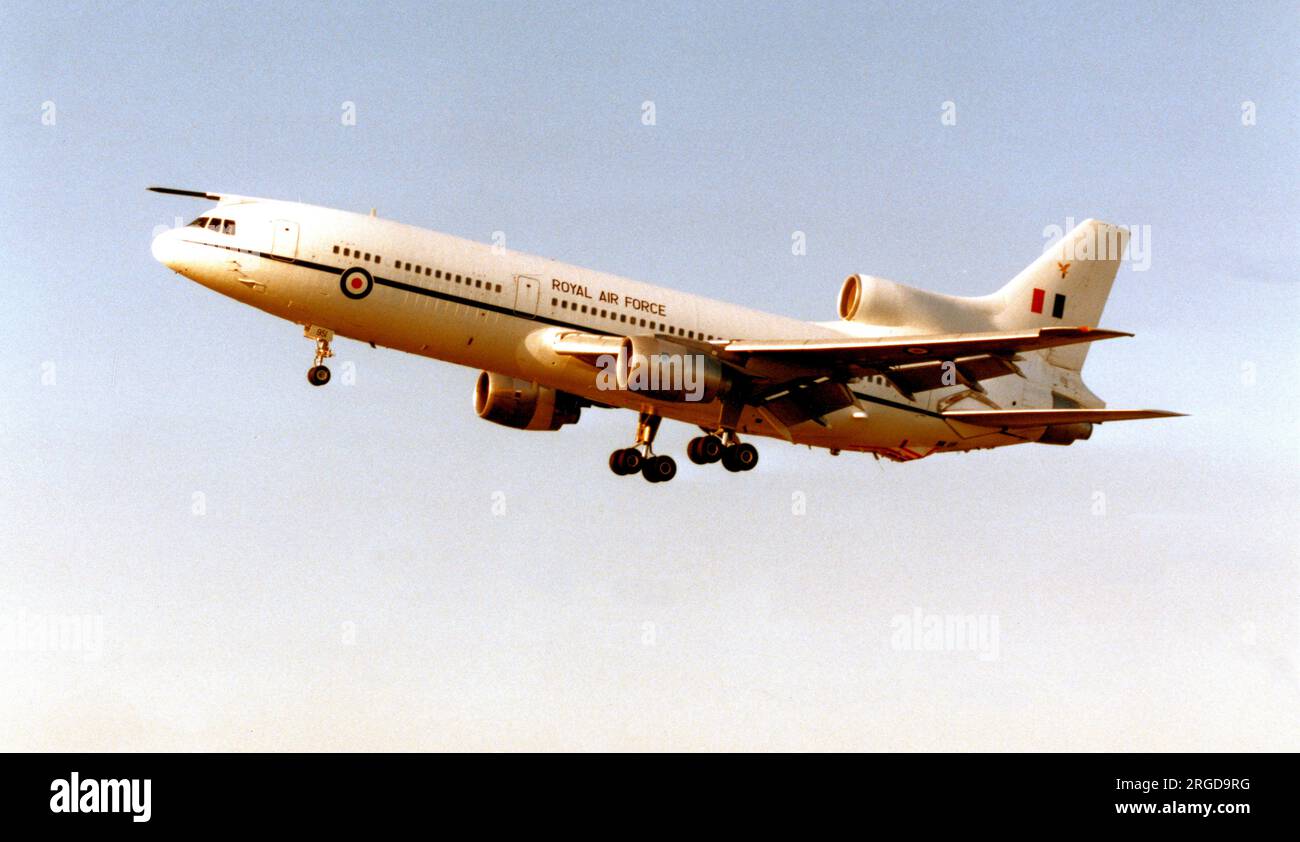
point(257, 564)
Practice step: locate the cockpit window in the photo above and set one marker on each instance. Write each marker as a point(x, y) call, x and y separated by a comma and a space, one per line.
point(221, 226)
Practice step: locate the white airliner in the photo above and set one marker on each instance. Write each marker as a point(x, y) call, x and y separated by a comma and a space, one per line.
point(903, 374)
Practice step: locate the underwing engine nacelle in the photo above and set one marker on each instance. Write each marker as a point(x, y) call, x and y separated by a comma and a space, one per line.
point(667, 371)
point(523, 404)
point(1066, 433)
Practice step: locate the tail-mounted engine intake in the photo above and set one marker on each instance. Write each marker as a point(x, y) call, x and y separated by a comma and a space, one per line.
point(666, 371)
point(876, 301)
point(522, 404)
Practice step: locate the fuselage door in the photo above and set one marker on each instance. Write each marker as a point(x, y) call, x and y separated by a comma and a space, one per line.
point(527, 290)
point(284, 238)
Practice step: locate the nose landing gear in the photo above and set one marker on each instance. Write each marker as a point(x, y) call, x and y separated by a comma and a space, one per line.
point(318, 374)
point(640, 457)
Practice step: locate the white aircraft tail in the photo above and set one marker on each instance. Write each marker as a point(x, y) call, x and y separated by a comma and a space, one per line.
point(1066, 286)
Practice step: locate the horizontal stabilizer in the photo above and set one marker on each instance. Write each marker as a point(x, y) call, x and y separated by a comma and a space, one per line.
point(1048, 417)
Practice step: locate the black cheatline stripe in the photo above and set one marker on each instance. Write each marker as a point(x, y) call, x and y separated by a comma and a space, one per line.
point(320, 267)
point(508, 311)
point(444, 296)
point(418, 290)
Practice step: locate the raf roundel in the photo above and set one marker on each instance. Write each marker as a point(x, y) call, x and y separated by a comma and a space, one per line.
point(356, 283)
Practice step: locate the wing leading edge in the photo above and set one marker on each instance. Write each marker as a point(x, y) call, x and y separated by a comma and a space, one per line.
point(870, 354)
point(1047, 417)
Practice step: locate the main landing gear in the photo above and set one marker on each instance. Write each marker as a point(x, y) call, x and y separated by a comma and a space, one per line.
point(319, 375)
point(724, 447)
point(640, 457)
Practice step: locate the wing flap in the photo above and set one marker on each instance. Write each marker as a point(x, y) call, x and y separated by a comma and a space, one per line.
point(935, 374)
point(797, 402)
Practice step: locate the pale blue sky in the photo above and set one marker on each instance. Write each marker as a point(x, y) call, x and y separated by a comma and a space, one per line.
point(350, 583)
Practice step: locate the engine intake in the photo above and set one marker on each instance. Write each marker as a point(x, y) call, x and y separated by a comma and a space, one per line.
point(523, 404)
point(1065, 434)
point(876, 301)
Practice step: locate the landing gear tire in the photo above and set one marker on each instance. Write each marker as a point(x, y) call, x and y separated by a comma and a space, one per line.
point(638, 458)
point(318, 375)
point(626, 461)
point(659, 468)
point(740, 457)
point(704, 450)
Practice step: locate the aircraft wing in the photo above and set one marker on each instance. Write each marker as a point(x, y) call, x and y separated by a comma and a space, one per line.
point(219, 198)
point(870, 355)
point(1046, 417)
point(911, 363)
point(799, 380)
point(805, 379)
point(194, 194)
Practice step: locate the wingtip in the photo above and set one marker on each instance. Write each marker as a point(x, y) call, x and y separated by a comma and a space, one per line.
point(1152, 414)
point(1083, 333)
point(1104, 332)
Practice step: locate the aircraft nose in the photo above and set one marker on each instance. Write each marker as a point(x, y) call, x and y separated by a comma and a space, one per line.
point(167, 250)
